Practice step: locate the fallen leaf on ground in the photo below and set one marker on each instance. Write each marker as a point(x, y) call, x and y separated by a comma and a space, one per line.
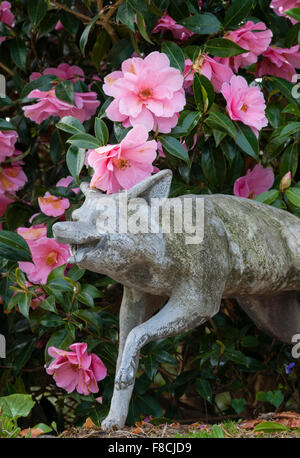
point(137, 430)
point(89, 424)
point(249, 424)
point(34, 432)
point(290, 419)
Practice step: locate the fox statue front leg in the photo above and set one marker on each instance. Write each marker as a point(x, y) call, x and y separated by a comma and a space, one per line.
point(136, 307)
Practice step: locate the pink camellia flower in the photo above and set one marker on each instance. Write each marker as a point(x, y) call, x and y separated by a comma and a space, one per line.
point(65, 182)
point(59, 26)
point(279, 62)
point(4, 201)
point(76, 369)
point(12, 179)
point(49, 105)
point(33, 233)
point(123, 165)
point(254, 37)
point(63, 72)
point(255, 182)
point(147, 91)
point(53, 205)
point(204, 65)
point(167, 23)
point(47, 254)
point(6, 16)
point(280, 6)
point(245, 103)
point(8, 139)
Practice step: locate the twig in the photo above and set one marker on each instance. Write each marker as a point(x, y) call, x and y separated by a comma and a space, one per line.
point(99, 5)
point(8, 70)
point(36, 369)
point(111, 10)
point(103, 21)
point(164, 430)
point(69, 10)
point(35, 52)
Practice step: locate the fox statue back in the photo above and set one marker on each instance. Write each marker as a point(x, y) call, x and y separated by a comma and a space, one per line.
point(214, 247)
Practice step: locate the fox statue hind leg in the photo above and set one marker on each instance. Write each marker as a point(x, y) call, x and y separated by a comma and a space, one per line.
point(277, 315)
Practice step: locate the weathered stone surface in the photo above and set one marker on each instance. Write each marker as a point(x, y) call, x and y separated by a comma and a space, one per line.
point(250, 252)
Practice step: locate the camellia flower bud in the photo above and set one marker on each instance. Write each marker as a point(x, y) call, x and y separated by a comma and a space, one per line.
point(285, 182)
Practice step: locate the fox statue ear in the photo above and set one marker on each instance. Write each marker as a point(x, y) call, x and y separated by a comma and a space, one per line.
point(157, 185)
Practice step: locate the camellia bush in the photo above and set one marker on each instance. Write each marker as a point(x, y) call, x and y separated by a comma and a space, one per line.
point(108, 93)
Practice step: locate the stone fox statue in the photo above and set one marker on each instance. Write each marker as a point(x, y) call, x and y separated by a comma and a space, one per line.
point(249, 252)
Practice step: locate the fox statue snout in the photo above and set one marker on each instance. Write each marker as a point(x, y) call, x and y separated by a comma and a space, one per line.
point(74, 233)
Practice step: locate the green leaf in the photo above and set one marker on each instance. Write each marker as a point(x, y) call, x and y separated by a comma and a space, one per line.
point(36, 10)
point(142, 27)
point(289, 129)
point(24, 304)
point(273, 113)
point(43, 427)
point(85, 34)
point(236, 356)
point(293, 196)
point(52, 321)
point(65, 91)
point(204, 92)
point(101, 131)
point(18, 52)
point(24, 356)
point(71, 125)
point(75, 160)
point(270, 427)
point(289, 160)
point(294, 13)
point(221, 122)
point(174, 147)
point(275, 398)
point(126, 14)
point(267, 197)
point(214, 166)
point(151, 366)
point(247, 140)
point(14, 247)
point(49, 304)
point(238, 11)
point(75, 273)
point(120, 131)
point(202, 24)
point(187, 121)
point(238, 404)
point(71, 330)
point(100, 48)
point(149, 404)
point(204, 389)
point(43, 83)
point(285, 88)
point(222, 47)
point(85, 141)
point(48, 23)
point(17, 405)
point(5, 125)
point(174, 53)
